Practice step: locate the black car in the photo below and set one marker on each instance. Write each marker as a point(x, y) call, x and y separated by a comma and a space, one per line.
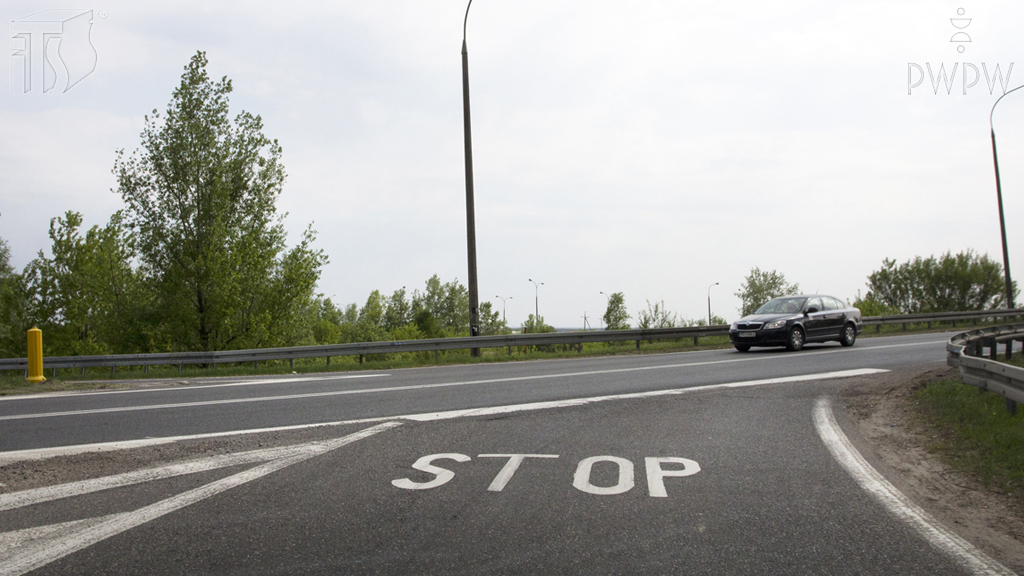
point(791, 321)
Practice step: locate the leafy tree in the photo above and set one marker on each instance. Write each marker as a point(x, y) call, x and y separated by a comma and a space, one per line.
point(201, 196)
point(427, 324)
point(960, 282)
point(13, 303)
point(448, 303)
point(397, 311)
point(327, 325)
point(373, 311)
point(536, 325)
point(656, 316)
point(87, 299)
point(761, 286)
point(869, 306)
point(491, 322)
point(615, 316)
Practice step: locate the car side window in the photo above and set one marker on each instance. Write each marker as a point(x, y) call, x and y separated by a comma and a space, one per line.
point(831, 304)
point(814, 303)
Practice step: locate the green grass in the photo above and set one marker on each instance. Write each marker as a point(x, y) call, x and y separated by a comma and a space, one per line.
point(975, 433)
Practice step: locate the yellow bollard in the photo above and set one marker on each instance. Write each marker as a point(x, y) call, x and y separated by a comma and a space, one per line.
point(35, 356)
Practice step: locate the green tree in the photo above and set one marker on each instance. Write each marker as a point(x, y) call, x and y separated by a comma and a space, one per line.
point(760, 287)
point(536, 325)
point(87, 299)
point(201, 195)
point(491, 322)
point(615, 316)
point(656, 316)
point(373, 311)
point(397, 311)
point(13, 304)
point(447, 302)
point(950, 283)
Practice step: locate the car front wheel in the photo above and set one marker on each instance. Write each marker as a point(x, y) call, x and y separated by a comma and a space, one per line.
point(796, 339)
point(849, 335)
point(742, 347)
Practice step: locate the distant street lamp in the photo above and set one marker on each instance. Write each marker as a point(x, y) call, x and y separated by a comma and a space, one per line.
point(503, 306)
point(709, 302)
point(999, 198)
point(607, 301)
point(474, 300)
point(536, 308)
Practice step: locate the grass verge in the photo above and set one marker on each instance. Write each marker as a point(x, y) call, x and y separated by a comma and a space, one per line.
point(975, 433)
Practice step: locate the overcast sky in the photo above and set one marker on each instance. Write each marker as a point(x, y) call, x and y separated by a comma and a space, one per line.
point(648, 147)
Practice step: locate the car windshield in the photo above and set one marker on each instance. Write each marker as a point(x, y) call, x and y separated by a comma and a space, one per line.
point(782, 306)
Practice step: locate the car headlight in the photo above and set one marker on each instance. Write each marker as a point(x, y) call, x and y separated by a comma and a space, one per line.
point(733, 326)
point(775, 325)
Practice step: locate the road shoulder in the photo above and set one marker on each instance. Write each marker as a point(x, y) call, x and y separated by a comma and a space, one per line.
point(882, 409)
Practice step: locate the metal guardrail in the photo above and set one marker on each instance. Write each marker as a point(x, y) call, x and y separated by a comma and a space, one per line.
point(328, 351)
point(967, 351)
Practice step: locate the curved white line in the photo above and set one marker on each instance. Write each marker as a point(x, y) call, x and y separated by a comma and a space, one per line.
point(962, 551)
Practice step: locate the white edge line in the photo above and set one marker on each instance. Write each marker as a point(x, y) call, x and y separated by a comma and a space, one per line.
point(42, 453)
point(962, 551)
point(10, 397)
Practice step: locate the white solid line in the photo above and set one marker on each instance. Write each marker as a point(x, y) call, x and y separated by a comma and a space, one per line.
point(198, 386)
point(23, 498)
point(40, 453)
point(490, 411)
point(400, 388)
point(74, 537)
point(963, 552)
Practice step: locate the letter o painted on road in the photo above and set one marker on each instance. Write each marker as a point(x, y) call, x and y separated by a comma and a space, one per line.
point(581, 480)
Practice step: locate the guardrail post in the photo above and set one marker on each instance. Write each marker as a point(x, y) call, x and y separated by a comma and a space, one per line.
point(694, 340)
point(1009, 349)
point(637, 344)
point(34, 374)
point(1011, 407)
point(328, 360)
point(291, 363)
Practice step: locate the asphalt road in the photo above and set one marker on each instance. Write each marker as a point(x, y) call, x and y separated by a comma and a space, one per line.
point(700, 464)
point(241, 404)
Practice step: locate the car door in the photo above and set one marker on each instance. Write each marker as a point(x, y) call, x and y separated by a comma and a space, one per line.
point(815, 323)
point(833, 322)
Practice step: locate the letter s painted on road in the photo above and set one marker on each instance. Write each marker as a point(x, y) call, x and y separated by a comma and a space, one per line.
point(424, 464)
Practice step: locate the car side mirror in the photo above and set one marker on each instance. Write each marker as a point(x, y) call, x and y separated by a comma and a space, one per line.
point(811, 310)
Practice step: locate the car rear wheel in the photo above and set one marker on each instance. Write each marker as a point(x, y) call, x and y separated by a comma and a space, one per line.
point(849, 335)
point(796, 339)
point(742, 347)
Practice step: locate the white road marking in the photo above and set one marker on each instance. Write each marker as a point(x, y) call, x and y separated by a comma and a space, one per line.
point(197, 386)
point(963, 552)
point(47, 493)
point(510, 467)
point(581, 479)
point(60, 540)
point(40, 453)
point(43, 453)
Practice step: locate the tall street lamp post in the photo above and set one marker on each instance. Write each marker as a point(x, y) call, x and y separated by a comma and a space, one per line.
point(607, 302)
point(999, 198)
point(474, 301)
point(536, 308)
point(503, 306)
point(709, 302)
